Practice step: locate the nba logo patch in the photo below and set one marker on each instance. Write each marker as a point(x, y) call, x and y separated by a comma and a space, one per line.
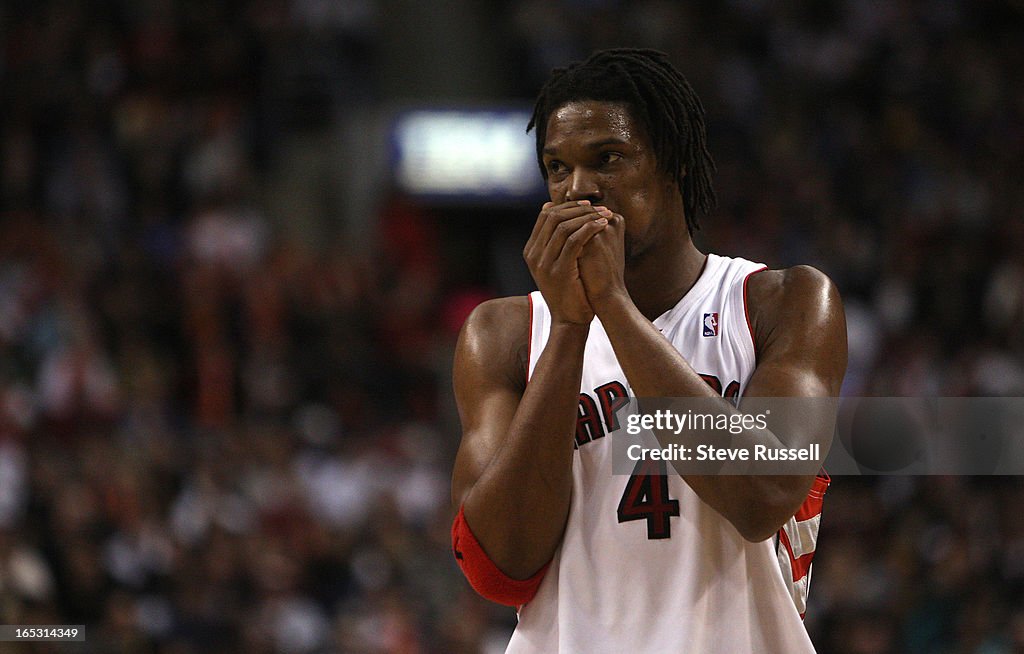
point(711, 324)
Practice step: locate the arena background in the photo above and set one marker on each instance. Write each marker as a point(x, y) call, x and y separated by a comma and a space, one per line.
point(226, 329)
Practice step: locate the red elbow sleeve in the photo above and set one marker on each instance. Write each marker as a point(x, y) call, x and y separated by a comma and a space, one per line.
point(485, 577)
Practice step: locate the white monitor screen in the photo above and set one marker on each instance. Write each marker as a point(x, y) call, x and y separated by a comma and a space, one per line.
point(466, 153)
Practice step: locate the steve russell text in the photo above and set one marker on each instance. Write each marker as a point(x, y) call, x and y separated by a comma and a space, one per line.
point(703, 452)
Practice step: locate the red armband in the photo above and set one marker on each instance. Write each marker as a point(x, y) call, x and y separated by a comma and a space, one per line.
point(485, 577)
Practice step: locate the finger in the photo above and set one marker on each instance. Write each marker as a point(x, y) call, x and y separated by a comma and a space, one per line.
point(615, 230)
point(551, 216)
point(607, 213)
point(562, 232)
point(574, 243)
point(560, 214)
point(541, 217)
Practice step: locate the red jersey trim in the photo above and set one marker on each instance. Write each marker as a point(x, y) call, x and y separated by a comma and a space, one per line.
point(815, 498)
point(746, 309)
point(801, 565)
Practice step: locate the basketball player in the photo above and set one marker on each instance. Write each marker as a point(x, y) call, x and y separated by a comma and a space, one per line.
point(628, 305)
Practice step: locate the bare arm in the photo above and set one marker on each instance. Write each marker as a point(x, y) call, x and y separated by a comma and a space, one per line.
point(801, 339)
point(800, 336)
point(513, 471)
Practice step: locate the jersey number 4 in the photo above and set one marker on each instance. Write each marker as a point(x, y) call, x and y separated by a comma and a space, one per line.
point(646, 494)
point(646, 498)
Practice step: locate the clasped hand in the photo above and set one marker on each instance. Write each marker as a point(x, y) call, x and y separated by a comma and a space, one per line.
point(576, 256)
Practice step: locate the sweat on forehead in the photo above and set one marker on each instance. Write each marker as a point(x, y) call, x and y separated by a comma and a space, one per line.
point(617, 114)
point(580, 117)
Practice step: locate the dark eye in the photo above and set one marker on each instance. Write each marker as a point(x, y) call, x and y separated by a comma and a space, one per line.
point(610, 157)
point(555, 168)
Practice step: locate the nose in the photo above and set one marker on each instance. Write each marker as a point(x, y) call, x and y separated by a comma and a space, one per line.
point(582, 185)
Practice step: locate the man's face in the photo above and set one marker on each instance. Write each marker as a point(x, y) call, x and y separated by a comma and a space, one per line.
point(596, 151)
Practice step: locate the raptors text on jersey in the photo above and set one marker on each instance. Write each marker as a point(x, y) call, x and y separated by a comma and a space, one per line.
point(644, 564)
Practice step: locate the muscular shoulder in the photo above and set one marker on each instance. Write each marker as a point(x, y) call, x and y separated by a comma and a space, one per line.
point(497, 335)
point(802, 288)
point(794, 303)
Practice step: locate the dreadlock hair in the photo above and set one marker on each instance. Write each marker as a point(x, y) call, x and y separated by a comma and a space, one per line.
point(660, 99)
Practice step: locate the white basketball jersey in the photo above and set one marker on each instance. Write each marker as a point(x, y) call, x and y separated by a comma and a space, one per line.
point(637, 572)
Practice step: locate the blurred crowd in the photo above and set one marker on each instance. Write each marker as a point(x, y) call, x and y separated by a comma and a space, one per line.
point(225, 417)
